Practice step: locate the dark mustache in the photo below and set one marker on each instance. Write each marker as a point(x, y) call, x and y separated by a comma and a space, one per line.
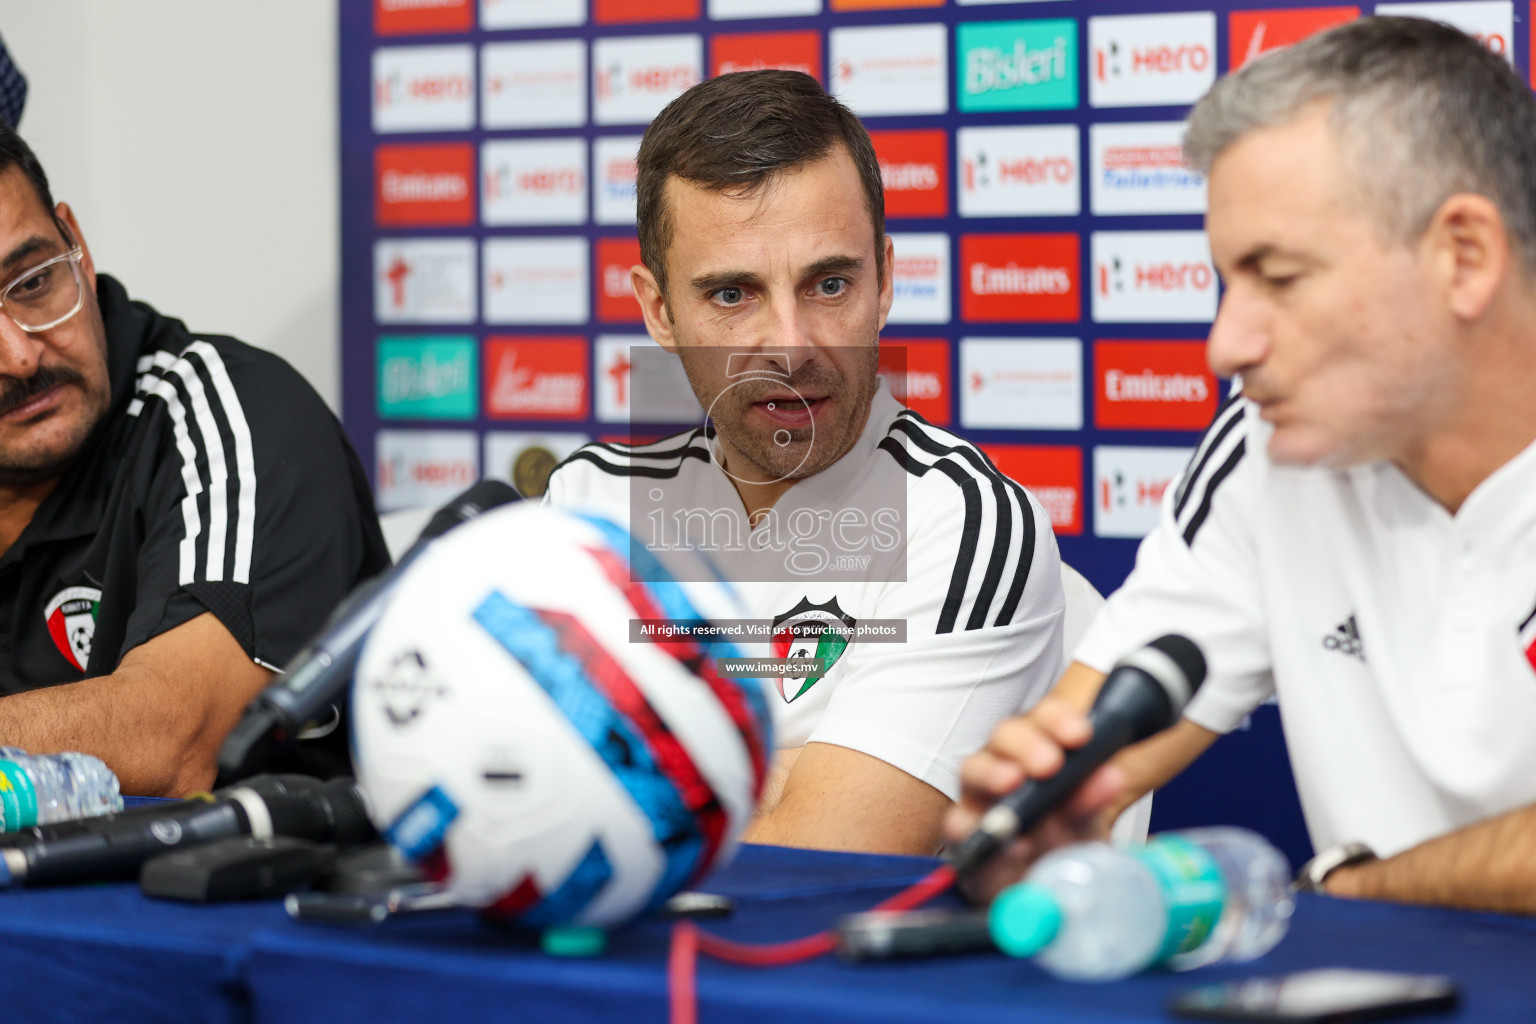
point(815, 380)
point(17, 392)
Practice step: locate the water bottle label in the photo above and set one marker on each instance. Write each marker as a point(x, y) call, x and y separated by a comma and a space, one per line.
point(1193, 889)
point(18, 797)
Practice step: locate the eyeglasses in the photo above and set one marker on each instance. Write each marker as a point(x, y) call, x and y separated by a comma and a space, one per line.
point(48, 294)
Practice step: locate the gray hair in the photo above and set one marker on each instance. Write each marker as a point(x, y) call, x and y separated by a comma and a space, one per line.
point(1421, 112)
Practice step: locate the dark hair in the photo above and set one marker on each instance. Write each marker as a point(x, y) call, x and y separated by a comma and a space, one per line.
point(733, 134)
point(1421, 111)
point(14, 152)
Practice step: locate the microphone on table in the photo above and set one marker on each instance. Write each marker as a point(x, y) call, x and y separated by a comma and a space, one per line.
point(116, 846)
point(318, 675)
point(1143, 694)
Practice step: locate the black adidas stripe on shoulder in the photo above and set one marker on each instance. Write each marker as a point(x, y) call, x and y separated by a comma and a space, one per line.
point(987, 494)
point(1220, 450)
point(660, 460)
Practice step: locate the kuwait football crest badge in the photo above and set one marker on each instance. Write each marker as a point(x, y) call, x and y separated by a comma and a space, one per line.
point(810, 631)
point(1528, 638)
point(71, 618)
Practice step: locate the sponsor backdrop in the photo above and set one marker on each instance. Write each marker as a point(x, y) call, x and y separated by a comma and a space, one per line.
point(1053, 286)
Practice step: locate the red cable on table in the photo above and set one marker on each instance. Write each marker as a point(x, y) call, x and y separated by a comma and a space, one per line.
point(688, 940)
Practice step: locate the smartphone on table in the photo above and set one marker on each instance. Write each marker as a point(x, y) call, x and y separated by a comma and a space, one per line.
point(1319, 997)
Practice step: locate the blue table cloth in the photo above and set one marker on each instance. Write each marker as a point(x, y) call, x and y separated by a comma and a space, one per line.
point(107, 953)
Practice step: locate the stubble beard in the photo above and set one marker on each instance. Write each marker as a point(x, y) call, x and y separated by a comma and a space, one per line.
point(810, 449)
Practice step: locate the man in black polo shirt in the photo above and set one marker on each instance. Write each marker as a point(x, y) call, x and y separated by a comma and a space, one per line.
point(178, 513)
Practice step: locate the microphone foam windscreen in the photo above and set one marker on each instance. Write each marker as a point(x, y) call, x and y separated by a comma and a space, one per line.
point(1183, 652)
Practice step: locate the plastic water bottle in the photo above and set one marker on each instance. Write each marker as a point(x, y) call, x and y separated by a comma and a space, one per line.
point(36, 789)
point(1092, 912)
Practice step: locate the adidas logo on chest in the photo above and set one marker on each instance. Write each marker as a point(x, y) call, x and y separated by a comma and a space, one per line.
point(1345, 639)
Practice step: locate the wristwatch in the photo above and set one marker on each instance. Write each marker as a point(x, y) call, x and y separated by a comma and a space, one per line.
point(1316, 871)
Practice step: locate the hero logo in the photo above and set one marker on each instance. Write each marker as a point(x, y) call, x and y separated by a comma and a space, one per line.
point(1139, 168)
point(895, 69)
point(536, 378)
point(1019, 277)
point(1021, 383)
point(1151, 60)
point(424, 185)
point(917, 372)
point(424, 280)
point(635, 77)
point(913, 168)
point(1153, 385)
point(754, 51)
point(418, 468)
point(1052, 473)
point(921, 278)
point(1129, 484)
point(613, 162)
point(1160, 276)
point(534, 85)
point(422, 88)
point(535, 280)
point(1250, 33)
point(1490, 22)
point(1012, 171)
point(534, 182)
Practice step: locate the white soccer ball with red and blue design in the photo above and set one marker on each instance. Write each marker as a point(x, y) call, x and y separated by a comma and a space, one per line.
point(514, 737)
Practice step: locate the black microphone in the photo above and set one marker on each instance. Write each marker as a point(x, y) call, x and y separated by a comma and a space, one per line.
point(98, 849)
point(318, 675)
point(890, 934)
point(1144, 694)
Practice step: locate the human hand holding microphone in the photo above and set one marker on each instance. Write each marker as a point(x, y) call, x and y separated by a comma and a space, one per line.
point(1043, 779)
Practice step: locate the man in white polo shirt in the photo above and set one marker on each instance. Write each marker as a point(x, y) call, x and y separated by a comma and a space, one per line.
point(1356, 534)
point(925, 582)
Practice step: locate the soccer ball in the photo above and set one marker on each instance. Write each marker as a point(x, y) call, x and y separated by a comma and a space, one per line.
point(516, 739)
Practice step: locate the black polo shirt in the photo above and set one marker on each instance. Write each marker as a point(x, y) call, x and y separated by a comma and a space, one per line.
point(219, 481)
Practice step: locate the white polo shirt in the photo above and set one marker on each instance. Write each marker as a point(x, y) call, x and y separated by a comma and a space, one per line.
point(969, 565)
point(1397, 637)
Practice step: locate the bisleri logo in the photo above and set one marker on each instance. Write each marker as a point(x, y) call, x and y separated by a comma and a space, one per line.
point(1017, 65)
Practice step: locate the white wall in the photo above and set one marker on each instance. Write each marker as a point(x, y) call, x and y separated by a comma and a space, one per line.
point(196, 141)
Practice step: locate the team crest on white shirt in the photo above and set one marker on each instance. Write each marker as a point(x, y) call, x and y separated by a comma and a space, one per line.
point(71, 618)
point(810, 631)
point(1528, 638)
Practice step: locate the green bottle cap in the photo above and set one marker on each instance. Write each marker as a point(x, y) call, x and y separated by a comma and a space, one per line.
point(1024, 919)
point(573, 941)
